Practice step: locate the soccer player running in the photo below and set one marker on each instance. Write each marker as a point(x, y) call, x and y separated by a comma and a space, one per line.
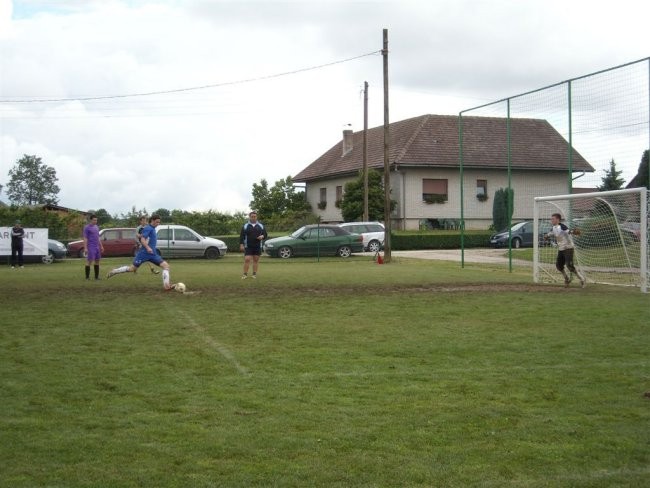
point(138, 234)
point(93, 247)
point(250, 243)
point(565, 248)
point(147, 253)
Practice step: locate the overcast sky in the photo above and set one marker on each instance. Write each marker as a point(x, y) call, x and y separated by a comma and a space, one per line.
point(214, 133)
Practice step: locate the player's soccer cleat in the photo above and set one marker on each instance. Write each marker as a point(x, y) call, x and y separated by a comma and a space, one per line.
point(254, 276)
point(110, 274)
point(583, 282)
point(244, 276)
point(154, 271)
point(567, 281)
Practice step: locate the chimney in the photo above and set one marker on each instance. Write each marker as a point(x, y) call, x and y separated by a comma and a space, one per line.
point(348, 137)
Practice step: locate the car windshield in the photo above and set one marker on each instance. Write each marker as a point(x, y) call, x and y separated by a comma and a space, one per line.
point(518, 225)
point(297, 233)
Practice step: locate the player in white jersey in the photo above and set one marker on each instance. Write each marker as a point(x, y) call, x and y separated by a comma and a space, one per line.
point(565, 248)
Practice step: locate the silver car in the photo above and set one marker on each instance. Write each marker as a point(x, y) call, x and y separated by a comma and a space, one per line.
point(372, 232)
point(178, 241)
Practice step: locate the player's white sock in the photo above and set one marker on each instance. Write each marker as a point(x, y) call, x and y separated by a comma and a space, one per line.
point(165, 277)
point(121, 269)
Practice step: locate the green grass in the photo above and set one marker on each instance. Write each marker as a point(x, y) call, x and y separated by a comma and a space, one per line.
point(337, 373)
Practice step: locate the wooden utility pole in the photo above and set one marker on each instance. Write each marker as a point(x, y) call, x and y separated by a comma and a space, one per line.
point(365, 152)
point(387, 220)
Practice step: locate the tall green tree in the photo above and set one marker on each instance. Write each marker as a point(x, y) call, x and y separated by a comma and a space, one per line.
point(502, 208)
point(641, 178)
point(165, 214)
point(103, 217)
point(278, 200)
point(352, 202)
point(612, 179)
point(32, 182)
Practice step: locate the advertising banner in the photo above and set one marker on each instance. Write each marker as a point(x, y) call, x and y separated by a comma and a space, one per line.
point(34, 242)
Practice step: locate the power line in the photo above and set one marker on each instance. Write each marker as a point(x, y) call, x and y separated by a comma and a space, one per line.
point(194, 88)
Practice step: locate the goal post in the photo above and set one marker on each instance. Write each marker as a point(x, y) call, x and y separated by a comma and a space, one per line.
point(612, 246)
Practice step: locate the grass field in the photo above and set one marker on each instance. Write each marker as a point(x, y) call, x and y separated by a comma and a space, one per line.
point(337, 373)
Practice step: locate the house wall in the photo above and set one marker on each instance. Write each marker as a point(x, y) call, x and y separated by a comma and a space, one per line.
point(411, 210)
point(478, 214)
point(330, 214)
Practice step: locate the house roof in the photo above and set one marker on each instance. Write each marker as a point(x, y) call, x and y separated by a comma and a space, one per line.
point(431, 141)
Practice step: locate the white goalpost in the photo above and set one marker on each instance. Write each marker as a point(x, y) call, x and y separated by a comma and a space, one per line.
point(611, 246)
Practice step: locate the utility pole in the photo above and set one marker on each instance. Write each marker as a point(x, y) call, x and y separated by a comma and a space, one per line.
point(387, 220)
point(365, 152)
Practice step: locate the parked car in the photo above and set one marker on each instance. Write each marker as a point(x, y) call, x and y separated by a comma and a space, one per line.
point(118, 241)
point(313, 240)
point(372, 233)
point(55, 252)
point(178, 241)
point(521, 235)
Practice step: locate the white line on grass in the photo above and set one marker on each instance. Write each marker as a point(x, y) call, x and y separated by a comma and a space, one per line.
point(217, 346)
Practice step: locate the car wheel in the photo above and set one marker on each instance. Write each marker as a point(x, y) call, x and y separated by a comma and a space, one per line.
point(285, 252)
point(344, 251)
point(374, 246)
point(516, 243)
point(81, 253)
point(49, 259)
point(211, 253)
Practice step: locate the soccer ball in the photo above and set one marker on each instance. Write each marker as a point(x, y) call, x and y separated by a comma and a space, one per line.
point(180, 287)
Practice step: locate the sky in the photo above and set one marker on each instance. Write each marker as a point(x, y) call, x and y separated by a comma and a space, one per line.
point(186, 104)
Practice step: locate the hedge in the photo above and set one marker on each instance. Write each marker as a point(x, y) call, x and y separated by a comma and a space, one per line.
point(406, 242)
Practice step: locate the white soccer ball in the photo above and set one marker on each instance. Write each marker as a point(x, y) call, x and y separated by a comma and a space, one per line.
point(180, 287)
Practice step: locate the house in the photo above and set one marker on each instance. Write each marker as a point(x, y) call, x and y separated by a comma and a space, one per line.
point(425, 168)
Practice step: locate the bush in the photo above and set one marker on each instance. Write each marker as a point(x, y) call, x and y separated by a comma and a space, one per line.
point(438, 240)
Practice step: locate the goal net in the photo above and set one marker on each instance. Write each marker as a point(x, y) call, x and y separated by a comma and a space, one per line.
point(612, 245)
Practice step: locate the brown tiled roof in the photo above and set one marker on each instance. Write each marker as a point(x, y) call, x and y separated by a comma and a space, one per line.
point(431, 141)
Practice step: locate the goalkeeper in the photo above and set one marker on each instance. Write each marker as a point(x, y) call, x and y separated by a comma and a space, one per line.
point(565, 246)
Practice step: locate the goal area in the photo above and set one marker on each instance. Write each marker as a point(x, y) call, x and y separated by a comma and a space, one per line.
point(612, 244)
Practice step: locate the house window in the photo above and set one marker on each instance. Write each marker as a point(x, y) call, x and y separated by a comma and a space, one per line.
point(339, 196)
point(434, 191)
point(322, 203)
point(481, 188)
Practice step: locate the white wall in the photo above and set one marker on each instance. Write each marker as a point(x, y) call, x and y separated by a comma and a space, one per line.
point(406, 188)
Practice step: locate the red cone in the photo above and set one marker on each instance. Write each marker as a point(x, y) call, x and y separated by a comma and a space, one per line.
point(380, 260)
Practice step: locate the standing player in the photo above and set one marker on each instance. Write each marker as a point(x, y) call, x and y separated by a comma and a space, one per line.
point(93, 247)
point(565, 248)
point(138, 233)
point(250, 243)
point(147, 253)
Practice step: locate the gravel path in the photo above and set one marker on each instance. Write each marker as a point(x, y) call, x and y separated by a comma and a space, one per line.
point(480, 255)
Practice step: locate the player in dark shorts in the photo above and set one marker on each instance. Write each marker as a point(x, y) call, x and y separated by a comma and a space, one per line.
point(251, 237)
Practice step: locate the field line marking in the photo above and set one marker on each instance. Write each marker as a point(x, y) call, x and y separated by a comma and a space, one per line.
point(214, 344)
